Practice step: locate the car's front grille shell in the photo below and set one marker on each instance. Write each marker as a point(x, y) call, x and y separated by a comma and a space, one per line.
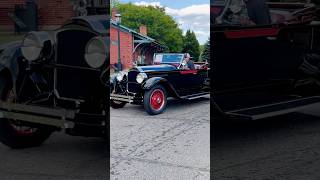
point(133, 86)
point(74, 80)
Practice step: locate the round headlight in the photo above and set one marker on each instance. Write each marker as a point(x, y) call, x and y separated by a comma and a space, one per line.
point(96, 52)
point(120, 76)
point(141, 77)
point(37, 45)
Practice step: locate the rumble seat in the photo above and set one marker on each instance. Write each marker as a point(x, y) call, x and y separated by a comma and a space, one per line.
point(200, 65)
point(291, 12)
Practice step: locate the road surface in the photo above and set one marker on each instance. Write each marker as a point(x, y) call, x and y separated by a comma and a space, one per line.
point(62, 157)
point(286, 147)
point(172, 146)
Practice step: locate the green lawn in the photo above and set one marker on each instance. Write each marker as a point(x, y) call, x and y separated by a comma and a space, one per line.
point(8, 37)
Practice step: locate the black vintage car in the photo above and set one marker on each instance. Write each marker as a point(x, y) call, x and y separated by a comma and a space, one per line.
point(56, 80)
point(152, 85)
point(264, 70)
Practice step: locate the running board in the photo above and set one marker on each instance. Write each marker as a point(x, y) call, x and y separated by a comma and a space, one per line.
point(276, 109)
point(195, 96)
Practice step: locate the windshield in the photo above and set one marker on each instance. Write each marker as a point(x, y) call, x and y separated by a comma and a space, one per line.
point(168, 58)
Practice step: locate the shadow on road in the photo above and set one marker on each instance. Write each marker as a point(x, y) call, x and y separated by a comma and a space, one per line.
point(231, 130)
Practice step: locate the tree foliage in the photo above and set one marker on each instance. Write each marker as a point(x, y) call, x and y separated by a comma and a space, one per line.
point(191, 45)
point(161, 26)
point(205, 55)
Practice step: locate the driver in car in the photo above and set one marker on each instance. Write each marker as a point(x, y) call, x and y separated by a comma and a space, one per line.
point(187, 62)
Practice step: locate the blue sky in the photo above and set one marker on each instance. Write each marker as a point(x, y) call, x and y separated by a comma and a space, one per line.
point(189, 14)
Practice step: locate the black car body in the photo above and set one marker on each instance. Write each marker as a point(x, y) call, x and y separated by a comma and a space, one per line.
point(151, 85)
point(56, 80)
point(264, 70)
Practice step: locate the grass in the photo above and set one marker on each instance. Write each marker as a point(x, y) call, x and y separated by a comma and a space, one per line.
point(6, 37)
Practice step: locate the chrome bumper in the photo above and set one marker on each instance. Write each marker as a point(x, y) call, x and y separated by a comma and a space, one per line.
point(125, 98)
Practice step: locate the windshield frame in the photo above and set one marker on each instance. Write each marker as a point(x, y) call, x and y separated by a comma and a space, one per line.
point(172, 62)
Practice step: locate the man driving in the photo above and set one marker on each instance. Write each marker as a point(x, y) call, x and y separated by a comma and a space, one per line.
point(188, 62)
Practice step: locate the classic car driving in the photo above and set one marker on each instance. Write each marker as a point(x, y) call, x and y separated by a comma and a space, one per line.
point(152, 85)
point(55, 80)
point(265, 70)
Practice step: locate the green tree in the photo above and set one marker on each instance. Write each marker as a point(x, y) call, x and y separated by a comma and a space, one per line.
point(205, 55)
point(114, 3)
point(191, 45)
point(161, 26)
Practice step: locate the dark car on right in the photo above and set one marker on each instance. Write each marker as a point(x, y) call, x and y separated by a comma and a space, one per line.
point(261, 70)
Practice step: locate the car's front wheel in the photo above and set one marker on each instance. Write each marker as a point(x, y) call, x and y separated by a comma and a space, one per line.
point(155, 100)
point(14, 133)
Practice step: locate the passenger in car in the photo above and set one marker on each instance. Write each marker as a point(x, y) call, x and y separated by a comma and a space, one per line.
point(189, 64)
point(248, 12)
point(258, 11)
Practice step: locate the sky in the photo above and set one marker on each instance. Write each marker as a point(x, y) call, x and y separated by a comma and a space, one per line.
point(189, 14)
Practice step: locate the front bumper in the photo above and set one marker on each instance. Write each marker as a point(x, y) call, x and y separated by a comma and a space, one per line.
point(132, 99)
point(60, 118)
point(56, 117)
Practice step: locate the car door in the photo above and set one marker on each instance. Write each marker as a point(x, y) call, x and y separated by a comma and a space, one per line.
point(190, 81)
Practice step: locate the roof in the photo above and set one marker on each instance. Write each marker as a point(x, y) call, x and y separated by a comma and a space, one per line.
point(135, 33)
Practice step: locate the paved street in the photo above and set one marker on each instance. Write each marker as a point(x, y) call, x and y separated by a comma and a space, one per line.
point(173, 145)
point(286, 147)
point(60, 158)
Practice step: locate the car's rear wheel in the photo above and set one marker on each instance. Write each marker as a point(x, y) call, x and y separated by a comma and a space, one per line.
point(14, 133)
point(155, 100)
point(117, 104)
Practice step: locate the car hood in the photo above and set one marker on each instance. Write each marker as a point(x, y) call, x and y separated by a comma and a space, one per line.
point(158, 68)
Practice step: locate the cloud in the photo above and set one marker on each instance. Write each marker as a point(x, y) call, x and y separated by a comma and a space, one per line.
point(144, 3)
point(202, 9)
point(193, 17)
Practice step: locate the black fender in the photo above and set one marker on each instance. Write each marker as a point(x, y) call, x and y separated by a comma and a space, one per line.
point(10, 53)
point(150, 83)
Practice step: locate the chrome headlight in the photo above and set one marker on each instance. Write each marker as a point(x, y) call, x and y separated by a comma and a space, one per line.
point(120, 76)
point(37, 45)
point(97, 52)
point(141, 77)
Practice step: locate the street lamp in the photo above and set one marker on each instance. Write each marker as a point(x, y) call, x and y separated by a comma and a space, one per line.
point(118, 21)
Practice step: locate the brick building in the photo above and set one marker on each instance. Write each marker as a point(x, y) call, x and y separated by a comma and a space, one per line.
point(136, 47)
point(50, 13)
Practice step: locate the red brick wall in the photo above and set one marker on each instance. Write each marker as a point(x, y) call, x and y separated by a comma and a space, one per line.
point(5, 7)
point(126, 41)
point(53, 13)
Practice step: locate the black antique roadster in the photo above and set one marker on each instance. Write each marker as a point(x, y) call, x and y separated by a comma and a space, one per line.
point(55, 80)
point(152, 85)
point(264, 70)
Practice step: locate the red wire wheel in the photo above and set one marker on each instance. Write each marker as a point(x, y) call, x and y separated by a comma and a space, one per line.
point(155, 100)
point(14, 133)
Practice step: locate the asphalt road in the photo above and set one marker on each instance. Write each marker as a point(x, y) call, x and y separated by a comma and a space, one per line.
point(62, 157)
point(172, 146)
point(286, 147)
